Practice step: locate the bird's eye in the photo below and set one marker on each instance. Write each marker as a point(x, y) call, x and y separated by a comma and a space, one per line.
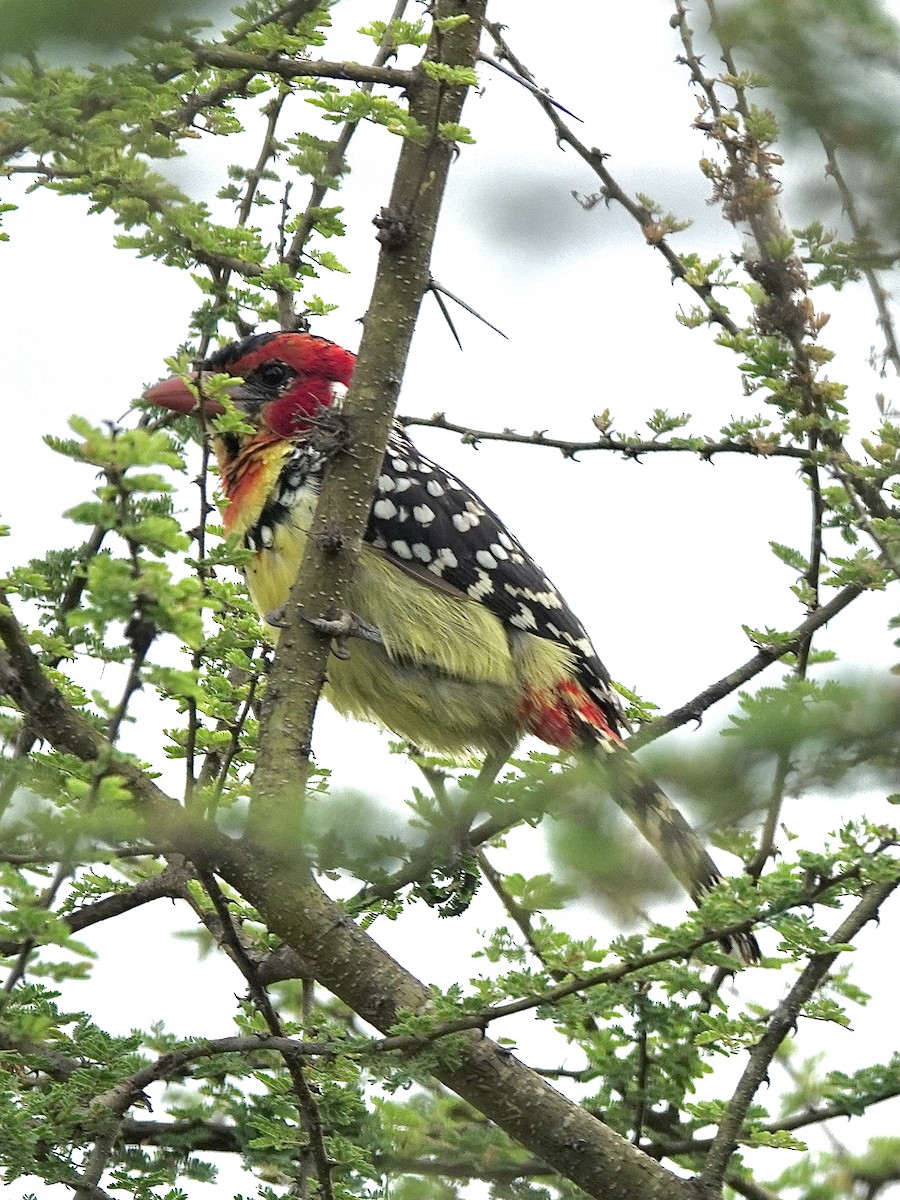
point(273, 375)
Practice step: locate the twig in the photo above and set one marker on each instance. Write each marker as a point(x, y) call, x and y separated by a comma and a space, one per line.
point(812, 576)
point(773, 810)
point(310, 1117)
point(631, 447)
point(293, 68)
point(789, 1124)
point(433, 852)
point(748, 1188)
point(611, 189)
point(814, 571)
point(337, 155)
point(69, 601)
point(169, 884)
point(643, 1068)
point(694, 709)
point(19, 967)
point(778, 1026)
point(890, 549)
point(879, 295)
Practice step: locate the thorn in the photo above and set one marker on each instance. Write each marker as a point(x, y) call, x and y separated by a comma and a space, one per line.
point(445, 312)
point(439, 290)
point(543, 96)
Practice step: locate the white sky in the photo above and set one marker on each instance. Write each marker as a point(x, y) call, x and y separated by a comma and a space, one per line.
point(663, 560)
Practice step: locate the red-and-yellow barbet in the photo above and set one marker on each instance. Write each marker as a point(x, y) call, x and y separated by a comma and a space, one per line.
point(468, 644)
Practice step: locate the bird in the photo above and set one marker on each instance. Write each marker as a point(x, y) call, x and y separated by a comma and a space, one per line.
point(464, 645)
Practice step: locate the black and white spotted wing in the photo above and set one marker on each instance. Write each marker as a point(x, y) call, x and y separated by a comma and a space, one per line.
point(431, 522)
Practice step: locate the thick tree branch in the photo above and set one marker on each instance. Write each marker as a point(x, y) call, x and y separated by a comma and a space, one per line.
point(406, 230)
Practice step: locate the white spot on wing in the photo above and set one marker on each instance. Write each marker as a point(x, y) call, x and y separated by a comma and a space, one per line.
point(401, 549)
point(548, 599)
point(482, 587)
point(384, 509)
point(524, 618)
point(464, 521)
point(434, 488)
point(423, 514)
point(486, 560)
point(421, 552)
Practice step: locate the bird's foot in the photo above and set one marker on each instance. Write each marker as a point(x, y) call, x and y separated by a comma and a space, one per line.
point(341, 628)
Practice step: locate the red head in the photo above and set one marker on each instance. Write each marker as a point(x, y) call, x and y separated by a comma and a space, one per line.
point(287, 378)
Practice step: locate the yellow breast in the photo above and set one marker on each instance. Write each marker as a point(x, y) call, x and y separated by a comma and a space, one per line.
point(446, 673)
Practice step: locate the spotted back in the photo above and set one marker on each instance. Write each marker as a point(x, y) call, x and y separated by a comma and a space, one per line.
point(429, 520)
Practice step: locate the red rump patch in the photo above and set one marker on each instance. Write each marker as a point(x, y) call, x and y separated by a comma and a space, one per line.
point(561, 715)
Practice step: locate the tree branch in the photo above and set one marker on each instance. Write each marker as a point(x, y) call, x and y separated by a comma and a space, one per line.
point(406, 231)
point(778, 1026)
point(293, 68)
point(611, 190)
point(879, 295)
point(694, 709)
point(169, 884)
point(630, 447)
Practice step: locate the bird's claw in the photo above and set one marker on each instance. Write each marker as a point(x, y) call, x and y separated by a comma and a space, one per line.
point(276, 618)
point(341, 628)
point(344, 627)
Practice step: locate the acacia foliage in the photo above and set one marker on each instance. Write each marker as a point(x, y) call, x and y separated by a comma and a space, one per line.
point(142, 600)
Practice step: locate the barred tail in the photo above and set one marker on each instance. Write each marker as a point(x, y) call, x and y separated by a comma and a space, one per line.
point(651, 810)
